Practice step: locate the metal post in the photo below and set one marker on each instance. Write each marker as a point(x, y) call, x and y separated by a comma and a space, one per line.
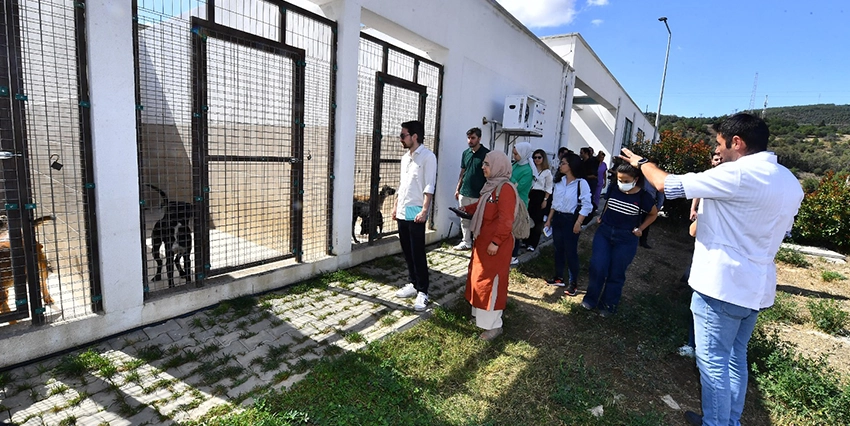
point(663, 78)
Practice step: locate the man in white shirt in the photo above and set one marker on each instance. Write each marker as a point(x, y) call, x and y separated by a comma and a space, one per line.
point(415, 193)
point(749, 202)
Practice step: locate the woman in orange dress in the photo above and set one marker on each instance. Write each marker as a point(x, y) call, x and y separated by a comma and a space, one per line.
point(492, 222)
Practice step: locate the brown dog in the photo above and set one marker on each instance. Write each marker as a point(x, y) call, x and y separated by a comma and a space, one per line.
point(7, 278)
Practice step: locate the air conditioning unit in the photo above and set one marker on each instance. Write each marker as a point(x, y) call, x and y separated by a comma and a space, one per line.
point(524, 113)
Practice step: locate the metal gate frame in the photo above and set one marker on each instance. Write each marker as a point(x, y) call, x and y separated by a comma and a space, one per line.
point(19, 204)
point(383, 79)
point(200, 142)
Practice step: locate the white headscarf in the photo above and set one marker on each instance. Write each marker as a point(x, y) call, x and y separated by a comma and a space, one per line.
point(524, 149)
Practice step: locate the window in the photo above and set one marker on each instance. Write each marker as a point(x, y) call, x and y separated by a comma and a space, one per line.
point(640, 136)
point(627, 133)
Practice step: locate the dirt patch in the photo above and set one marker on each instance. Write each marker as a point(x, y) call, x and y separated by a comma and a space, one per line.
point(644, 366)
point(804, 284)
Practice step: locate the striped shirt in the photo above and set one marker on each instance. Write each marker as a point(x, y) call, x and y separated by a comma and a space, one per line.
point(624, 210)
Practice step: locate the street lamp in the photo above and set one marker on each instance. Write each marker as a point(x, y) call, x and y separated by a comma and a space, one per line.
point(663, 77)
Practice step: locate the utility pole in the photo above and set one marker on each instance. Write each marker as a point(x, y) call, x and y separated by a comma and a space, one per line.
point(663, 78)
point(764, 110)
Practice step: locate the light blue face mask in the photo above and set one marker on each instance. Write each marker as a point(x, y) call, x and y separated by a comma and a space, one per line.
point(626, 187)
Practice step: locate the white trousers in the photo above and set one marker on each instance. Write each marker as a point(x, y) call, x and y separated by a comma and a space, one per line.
point(464, 223)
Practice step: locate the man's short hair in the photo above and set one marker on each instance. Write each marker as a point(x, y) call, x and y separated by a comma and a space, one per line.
point(587, 150)
point(751, 129)
point(475, 131)
point(415, 127)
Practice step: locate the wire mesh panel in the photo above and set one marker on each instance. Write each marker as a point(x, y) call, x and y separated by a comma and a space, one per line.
point(371, 60)
point(164, 116)
point(394, 86)
point(254, 116)
point(317, 37)
point(236, 121)
point(47, 240)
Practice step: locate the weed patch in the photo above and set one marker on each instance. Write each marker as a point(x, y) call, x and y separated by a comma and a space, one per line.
point(829, 276)
point(792, 257)
point(798, 390)
point(828, 315)
point(784, 309)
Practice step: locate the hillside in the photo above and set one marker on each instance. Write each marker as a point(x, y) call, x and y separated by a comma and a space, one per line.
point(809, 139)
point(821, 114)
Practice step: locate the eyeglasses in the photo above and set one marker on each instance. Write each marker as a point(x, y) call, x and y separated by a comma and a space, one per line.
point(403, 135)
point(486, 164)
point(537, 157)
point(563, 162)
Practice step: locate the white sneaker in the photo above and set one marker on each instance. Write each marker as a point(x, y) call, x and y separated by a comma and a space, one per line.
point(406, 291)
point(687, 351)
point(421, 302)
point(514, 261)
point(462, 246)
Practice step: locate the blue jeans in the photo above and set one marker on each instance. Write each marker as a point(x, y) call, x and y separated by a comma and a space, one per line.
point(566, 245)
point(613, 251)
point(722, 331)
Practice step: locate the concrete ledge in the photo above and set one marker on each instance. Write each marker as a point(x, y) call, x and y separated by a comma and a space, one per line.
point(819, 252)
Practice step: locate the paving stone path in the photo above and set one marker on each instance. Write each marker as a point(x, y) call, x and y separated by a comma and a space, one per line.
point(220, 359)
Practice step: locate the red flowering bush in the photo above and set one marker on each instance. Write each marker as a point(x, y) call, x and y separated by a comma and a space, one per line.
point(677, 153)
point(824, 217)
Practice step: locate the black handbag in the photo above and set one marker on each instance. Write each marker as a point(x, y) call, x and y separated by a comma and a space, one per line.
point(589, 217)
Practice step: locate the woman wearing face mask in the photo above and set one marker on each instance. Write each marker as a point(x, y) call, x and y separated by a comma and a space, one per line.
point(616, 240)
point(522, 176)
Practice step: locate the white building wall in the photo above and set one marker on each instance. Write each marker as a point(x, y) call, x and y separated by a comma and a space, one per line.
point(600, 126)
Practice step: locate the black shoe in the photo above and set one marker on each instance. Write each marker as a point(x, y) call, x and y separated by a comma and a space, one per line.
point(645, 245)
point(572, 289)
point(693, 418)
point(557, 282)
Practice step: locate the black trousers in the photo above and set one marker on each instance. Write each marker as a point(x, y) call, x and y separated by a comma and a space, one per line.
point(535, 200)
point(411, 235)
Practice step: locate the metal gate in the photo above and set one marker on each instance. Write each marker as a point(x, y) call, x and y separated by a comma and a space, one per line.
point(235, 114)
point(394, 86)
point(48, 239)
point(249, 103)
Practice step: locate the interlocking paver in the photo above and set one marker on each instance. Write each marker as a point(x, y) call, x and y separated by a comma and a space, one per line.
point(305, 324)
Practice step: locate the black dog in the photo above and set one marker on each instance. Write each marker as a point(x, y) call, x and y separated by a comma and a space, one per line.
point(173, 231)
point(369, 221)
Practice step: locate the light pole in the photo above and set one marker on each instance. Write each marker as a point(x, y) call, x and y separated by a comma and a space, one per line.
point(663, 77)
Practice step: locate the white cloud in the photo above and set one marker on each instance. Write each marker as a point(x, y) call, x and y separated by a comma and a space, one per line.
point(597, 22)
point(597, 2)
point(543, 13)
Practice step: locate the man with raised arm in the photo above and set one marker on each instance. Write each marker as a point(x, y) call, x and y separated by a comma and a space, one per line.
point(749, 202)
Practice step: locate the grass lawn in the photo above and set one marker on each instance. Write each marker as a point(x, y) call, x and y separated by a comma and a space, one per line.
point(556, 362)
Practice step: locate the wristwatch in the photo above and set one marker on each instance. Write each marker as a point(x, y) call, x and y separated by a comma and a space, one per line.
point(641, 162)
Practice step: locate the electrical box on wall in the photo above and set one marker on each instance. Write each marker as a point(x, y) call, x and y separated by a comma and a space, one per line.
point(524, 113)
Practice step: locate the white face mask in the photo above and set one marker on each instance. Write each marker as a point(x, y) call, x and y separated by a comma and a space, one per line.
point(626, 187)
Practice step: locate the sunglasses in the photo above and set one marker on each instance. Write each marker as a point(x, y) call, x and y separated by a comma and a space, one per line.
point(537, 157)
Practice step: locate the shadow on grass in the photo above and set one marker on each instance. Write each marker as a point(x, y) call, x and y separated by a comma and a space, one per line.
point(554, 364)
point(790, 289)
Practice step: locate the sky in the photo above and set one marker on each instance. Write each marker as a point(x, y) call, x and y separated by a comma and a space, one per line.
point(800, 49)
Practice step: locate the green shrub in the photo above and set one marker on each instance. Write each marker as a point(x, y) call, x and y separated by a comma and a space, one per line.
point(792, 257)
point(832, 276)
point(798, 389)
point(828, 315)
point(824, 216)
